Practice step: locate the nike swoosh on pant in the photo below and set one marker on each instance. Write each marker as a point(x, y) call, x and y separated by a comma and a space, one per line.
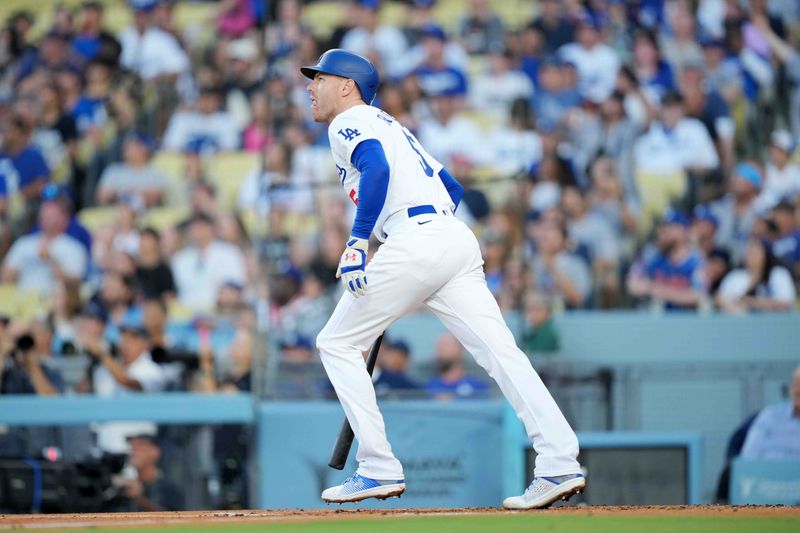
point(421, 223)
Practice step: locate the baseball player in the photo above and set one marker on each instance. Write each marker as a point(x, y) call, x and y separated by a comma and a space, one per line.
point(407, 199)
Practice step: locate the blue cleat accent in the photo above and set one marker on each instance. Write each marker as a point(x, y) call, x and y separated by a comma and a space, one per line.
point(357, 487)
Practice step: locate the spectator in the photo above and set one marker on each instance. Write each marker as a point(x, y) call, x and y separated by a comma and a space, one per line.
point(236, 17)
point(90, 111)
point(557, 31)
point(671, 148)
point(782, 177)
point(22, 166)
point(214, 129)
point(680, 48)
point(786, 245)
point(452, 380)
point(762, 285)
point(437, 75)
point(384, 44)
point(553, 98)
point(610, 199)
point(448, 132)
point(148, 50)
point(238, 376)
point(92, 41)
point(737, 211)
point(591, 230)
point(135, 180)
point(710, 108)
point(539, 333)
point(704, 229)
point(56, 135)
point(654, 75)
point(515, 144)
point(390, 375)
point(149, 491)
point(595, 61)
point(22, 369)
point(559, 273)
point(775, 434)
point(66, 306)
point(675, 274)
point(37, 261)
point(110, 376)
point(201, 268)
point(116, 297)
point(481, 29)
point(153, 274)
point(53, 54)
point(496, 91)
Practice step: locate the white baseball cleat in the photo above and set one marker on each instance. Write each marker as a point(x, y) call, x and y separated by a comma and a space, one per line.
point(357, 488)
point(545, 491)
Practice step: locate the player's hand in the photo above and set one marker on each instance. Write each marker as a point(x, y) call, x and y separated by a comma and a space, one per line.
point(352, 266)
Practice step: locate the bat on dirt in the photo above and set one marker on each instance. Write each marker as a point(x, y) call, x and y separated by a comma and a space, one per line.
point(341, 449)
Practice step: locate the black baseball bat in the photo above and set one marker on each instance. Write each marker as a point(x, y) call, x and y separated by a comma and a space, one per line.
point(341, 449)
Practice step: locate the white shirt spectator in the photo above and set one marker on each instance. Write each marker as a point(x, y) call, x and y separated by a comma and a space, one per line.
point(389, 43)
point(260, 192)
point(111, 436)
point(779, 286)
point(124, 179)
point(514, 150)
point(597, 69)
point(35, 273)
point(154, 53)
point(688, 145)
point(217, 131)
point(494, 95)
point(200, 274)
point(598, 235)
point(459, 136)
point(781, 183)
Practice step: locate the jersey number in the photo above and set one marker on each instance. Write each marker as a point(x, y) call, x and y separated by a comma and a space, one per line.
point(349, 134)
point(424, 164)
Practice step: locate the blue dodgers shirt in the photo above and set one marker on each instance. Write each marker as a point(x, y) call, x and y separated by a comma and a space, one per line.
point(22, 169)
point(688, 274)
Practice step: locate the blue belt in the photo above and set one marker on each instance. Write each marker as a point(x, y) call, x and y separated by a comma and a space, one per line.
point(421, 210)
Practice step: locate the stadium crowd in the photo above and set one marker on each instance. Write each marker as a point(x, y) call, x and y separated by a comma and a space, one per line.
point(164, 192)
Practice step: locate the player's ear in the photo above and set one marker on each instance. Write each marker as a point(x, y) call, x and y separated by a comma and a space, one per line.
point(348, 86)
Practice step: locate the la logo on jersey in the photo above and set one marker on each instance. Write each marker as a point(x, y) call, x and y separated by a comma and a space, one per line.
point(349, 133)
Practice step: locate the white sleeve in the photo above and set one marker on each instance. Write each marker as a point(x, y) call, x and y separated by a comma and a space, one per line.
point(345, 133)
point(150, 376)
point(704, 152)
point(229, 134)
point(781, 286)
point(174, 59)
point(732, 286)
point(175, 136)
point(71, 257)
point(16, 255)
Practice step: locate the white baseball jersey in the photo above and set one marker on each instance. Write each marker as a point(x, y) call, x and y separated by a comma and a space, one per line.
point(414, 173)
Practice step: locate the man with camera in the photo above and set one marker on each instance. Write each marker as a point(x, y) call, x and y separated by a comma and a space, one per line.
point(21, 369)
point(133, 372)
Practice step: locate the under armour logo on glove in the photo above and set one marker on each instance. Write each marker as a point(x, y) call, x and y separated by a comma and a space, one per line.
point(352, 266)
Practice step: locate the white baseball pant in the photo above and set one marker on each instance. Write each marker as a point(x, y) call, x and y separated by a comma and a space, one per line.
point(437, 263)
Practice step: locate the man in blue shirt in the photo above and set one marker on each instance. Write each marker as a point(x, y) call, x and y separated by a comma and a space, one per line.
point(23, 169)
point(675, 274)
point(775, 434)
point(453, 381)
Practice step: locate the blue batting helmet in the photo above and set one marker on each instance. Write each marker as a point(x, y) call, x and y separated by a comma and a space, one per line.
point(347, 65)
